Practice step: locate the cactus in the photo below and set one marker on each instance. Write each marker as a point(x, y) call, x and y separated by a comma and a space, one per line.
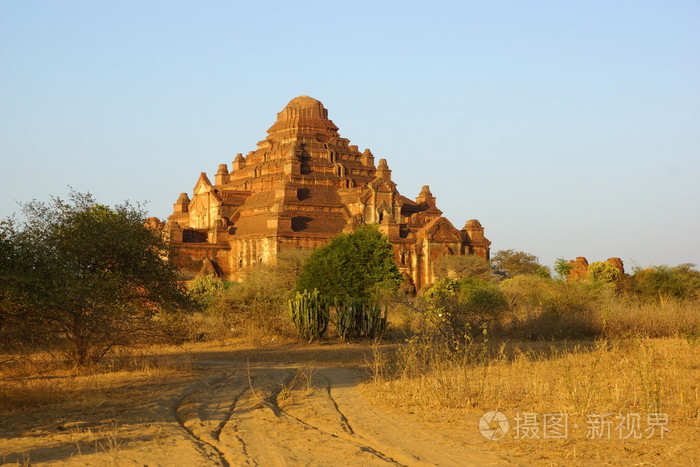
point(375, 320)
point(310, 314)
point(348, 318)
point(360, 318)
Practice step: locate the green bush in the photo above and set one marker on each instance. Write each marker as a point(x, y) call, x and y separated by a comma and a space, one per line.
point(603, 272)
point(562, 268)
point(511, 263)
point(356, 265)
point(458, 310)
point(461, 266)
point(662, 283)
point(206, 289)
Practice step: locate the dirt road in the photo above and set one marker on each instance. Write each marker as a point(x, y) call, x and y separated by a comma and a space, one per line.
point(283, 409)
point(242, 419)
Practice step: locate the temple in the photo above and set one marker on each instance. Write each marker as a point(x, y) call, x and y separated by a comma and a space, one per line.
point(303, 185)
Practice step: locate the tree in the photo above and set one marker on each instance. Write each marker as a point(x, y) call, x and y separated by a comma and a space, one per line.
point(661, 283)
point(457, 267)
point(355, 265)
point(90, 276)
point(510, 263)
point(603, 272)
point(562, 268)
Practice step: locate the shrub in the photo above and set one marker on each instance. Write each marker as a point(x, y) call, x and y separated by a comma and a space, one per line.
point(603, 272)
point(661, 283)
point(511, 263)
point(356, 265)
point(542, 308)
point(458, 267)
point(206, 289)
point(255, 307)
point(562, 268)
point(458, 310)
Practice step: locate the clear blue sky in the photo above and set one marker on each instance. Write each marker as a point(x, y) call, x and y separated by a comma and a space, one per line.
point(567, 127)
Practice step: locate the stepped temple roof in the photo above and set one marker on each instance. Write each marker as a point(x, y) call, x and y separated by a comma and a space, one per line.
point(300, 187)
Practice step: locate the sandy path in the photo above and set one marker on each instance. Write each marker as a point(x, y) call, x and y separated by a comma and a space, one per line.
point(260, 416)
point(267, 407)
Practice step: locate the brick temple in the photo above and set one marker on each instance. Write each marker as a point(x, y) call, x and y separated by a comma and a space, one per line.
point(303, 185)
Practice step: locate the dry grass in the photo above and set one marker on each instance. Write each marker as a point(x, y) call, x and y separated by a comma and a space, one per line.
point(665, 319)
point(41, 379)
point(639, 375)
point(631, 376)
point(301, 382)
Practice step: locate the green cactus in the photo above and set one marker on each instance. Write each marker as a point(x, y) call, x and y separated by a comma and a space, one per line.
point(360, 318)
point(348, 318)
point(310, 314)
point(374, 320)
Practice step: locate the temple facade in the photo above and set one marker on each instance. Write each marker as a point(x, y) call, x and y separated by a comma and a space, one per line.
point(303, 185)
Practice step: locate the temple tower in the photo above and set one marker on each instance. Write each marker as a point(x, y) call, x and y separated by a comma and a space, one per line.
point(300, 187)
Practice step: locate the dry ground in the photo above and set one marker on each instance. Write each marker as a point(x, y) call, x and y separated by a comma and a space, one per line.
point(287, 404)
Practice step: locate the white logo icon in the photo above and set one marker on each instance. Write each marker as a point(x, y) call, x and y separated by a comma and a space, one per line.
point(493, 425)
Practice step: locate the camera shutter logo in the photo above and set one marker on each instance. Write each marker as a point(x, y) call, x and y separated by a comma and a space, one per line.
point(493, 425)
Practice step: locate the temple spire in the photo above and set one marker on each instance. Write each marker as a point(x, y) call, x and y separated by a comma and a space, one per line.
point(303, 115)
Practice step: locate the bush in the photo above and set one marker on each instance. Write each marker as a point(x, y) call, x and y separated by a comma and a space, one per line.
point(542, 308)
point(459, 310)
point(356, 265)
point(662, 283)
point(511, 263)
point(562, 268)
point(206, 289)
point(603, 272)
point(256, 307)
point(458, 267)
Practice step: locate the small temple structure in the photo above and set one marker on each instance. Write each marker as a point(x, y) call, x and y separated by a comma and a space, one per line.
point(303, 185)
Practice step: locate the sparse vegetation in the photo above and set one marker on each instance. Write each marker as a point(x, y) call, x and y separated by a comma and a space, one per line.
point(511, 263)
point(635, 375)
point(256, 307)
point(611, 343)
point(457, 310)
point(504, 335)
point(597, 346)
point(654, 302)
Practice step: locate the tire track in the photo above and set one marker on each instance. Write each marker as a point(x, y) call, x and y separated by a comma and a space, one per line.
point(184, 414)
point(192, 415)
point(348, 435)
point(344, 422)
point(263, 416)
